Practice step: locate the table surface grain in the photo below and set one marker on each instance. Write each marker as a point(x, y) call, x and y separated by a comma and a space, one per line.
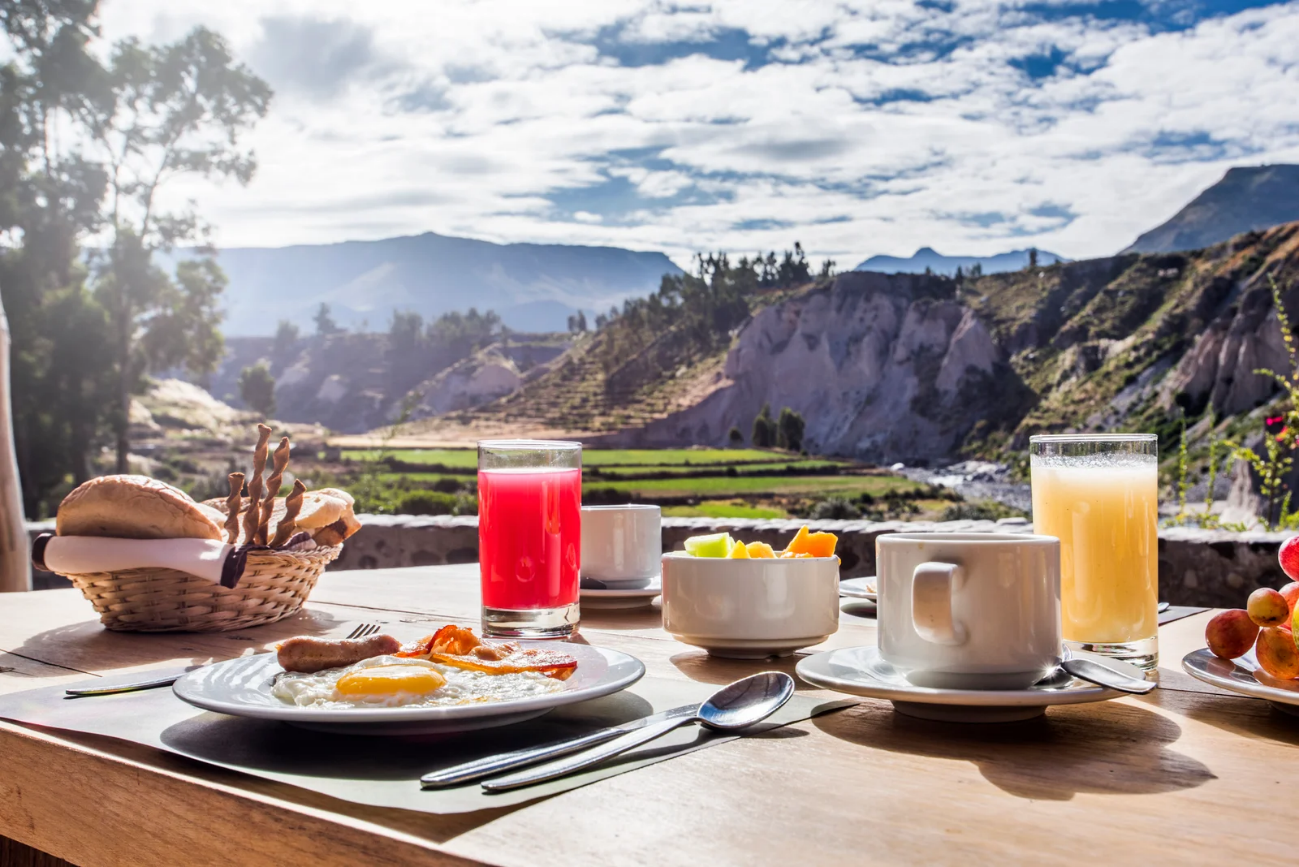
point(1188, 773)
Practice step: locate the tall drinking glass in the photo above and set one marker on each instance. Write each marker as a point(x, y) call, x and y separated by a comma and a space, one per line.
point(529, 536)
point(1098, 494)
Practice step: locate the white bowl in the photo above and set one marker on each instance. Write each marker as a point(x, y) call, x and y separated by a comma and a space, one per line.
point(750, 609)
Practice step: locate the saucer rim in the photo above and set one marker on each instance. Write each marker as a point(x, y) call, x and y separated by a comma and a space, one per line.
point(1081, 693)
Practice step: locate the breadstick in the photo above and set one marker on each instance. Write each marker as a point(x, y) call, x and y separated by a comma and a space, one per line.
point(232, 507)
point(289, 523)
point(252, 517)
point(273, 485)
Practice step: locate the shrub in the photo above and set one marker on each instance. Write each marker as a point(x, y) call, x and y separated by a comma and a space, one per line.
point(426, 503)
point(735, 437)
point(834, 509)
point(764, 429)
point(789, 430)
point(446, 486)
point(983, 510)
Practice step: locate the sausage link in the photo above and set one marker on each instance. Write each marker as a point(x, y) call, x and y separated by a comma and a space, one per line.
point(309, 655)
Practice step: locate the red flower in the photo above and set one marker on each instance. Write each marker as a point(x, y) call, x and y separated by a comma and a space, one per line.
point(1281, 436)
point(1275, 420)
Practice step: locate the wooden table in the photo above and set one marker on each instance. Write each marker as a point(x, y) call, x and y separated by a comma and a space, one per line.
point(1187, 774)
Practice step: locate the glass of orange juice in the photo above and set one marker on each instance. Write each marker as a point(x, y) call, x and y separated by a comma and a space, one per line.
point(1098, 494)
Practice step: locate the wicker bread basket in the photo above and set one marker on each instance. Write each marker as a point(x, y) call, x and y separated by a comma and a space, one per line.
point(274, 584)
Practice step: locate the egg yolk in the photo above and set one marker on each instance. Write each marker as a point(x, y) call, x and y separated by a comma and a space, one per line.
point(391, 679)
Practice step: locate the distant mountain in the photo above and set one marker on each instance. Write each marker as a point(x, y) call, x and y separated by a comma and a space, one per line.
point(534, 287)
point(926, 257)
point(1245, 200)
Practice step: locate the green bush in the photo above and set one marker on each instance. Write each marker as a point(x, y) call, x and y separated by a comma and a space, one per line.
point(834, 509)
point(426, 503)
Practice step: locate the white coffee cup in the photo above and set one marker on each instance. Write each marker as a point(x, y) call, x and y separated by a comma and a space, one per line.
point(969, 610)
point(621, 544)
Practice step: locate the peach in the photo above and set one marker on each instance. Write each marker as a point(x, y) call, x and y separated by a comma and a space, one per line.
point(1230, 634)
point(1277, 653)
point(1291, 594)
point(1289, 557)
point(1267, 607)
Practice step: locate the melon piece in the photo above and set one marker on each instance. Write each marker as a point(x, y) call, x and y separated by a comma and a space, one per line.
point(760, 551)
point(712, 545)
point(796, 543)
point(813, 544)
point(738, 552)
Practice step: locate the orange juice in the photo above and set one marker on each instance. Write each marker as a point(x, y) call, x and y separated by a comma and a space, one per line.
point(1104, 511)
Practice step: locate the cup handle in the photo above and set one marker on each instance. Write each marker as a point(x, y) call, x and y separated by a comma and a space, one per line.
point(932, 585)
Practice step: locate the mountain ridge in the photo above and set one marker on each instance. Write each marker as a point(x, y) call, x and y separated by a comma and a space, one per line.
point(927, 259)
point(533, 287)
point(1245, 199)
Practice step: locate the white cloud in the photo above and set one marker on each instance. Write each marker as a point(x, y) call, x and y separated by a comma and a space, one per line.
point(882, 127)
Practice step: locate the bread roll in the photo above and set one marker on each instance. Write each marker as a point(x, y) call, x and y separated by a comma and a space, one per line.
point(135, 507)
point(338, 494)
point(320, 509)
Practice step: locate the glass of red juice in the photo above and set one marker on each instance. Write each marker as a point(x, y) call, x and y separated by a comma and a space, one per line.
point(529, 536)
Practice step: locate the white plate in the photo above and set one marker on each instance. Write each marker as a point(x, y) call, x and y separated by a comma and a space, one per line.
point(1243, 676)
point(859, 588)
point(242, 687)
point(861, 671)
point(621, 597)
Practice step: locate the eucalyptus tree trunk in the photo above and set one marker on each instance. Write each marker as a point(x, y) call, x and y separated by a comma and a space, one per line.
point(15, 568)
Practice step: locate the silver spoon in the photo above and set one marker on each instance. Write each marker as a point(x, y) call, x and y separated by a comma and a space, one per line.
point(1097, 672)
point(735, 706)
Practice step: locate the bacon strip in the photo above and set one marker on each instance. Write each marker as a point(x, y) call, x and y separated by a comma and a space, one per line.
point(460, 648)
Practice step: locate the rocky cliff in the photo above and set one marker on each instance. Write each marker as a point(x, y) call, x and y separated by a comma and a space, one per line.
point(922, 369)
point(882, 367)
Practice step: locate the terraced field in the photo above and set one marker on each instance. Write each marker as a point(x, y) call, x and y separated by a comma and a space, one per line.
point(749, 483)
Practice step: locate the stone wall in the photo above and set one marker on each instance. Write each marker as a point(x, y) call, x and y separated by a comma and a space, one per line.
point(1196, 567)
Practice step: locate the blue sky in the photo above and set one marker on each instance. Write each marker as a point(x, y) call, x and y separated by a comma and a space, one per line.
point(856, 128)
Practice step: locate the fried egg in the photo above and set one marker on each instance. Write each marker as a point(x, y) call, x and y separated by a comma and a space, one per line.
point(390, 681)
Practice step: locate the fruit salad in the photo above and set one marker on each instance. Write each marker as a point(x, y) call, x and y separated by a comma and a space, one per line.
point(803, 546)
point(1267, 623)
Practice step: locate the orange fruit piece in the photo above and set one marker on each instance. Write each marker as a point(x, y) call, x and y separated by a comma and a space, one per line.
point(738, 552)
point(796, 544)
point(760, 550)
point(813, 544)
point(794, 555)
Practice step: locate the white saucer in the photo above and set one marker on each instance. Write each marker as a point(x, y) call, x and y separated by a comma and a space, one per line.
point(618, 596)
point(1243, 676)
point(861, 671)
point(859, 588)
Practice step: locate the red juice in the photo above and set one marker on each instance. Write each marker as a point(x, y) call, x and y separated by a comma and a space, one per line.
point(529, 537)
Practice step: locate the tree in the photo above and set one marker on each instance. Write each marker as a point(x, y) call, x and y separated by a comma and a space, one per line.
point(1032, 257)
point(789, 430)
point(325, 324)
point(257, 388)
point(286, 337)
point(976, 270)
point(735, 438)
point(959, 276)
point(61, 392)
point(764, 429)
point(581, 322)
point(827, 269)
point(170, 111)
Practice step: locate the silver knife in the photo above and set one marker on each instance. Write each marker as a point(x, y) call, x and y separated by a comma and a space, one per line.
point(480, 768)
point(154, 683)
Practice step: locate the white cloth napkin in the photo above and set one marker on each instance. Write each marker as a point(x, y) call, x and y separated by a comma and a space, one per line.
point(75, 555)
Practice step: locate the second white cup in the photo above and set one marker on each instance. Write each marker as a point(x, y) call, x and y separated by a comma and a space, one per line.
point(621, 544)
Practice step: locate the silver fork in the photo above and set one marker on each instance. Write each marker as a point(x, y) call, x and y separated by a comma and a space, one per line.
point(365, 630)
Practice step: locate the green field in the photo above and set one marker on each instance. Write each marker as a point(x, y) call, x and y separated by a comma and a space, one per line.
point(716, 483)
point(468, 458)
